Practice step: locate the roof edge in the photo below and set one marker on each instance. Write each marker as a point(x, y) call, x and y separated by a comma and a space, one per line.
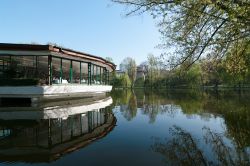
point(49, 47)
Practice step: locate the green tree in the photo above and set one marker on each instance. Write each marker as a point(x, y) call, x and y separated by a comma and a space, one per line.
point(109, 59)
point(153, 68)
point(238, 62)
point(211, 70)
point(128, 65)
point(196, 28)
point(121, 81)
point(194, 78)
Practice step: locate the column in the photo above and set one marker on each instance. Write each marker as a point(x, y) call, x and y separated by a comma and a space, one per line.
point(61, 71)
point(97, 77)
point(100, 78)
point(93, 74)
point(108, 77)
point(71, 72)
point(50, 69)
point(89, 73)
point(105, 75)
point(80, 72)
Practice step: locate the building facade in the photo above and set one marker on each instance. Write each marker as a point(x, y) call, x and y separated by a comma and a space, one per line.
point(52, 70)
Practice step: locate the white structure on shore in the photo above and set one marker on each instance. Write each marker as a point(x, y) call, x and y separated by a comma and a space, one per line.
point(51, 72)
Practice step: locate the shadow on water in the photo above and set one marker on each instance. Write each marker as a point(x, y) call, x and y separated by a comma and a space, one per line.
point(47, 132)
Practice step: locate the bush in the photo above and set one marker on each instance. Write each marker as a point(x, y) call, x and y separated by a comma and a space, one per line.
point(139, 82)
point(121, 81)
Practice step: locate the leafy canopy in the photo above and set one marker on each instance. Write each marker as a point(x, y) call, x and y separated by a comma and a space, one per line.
point(196, 28)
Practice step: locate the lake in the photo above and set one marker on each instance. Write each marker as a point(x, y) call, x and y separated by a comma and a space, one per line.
point(130, 128)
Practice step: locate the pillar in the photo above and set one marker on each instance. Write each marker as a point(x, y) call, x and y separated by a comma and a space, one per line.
point(107, 77)
point(93, 73)
point(80, 72)
point(50, 79)
point(71, 72)
point(100, 78)
point(89, 73)
point(61, 71)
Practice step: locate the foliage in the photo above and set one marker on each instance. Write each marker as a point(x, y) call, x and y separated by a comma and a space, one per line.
point(153, 68)
point(197, 28)
point(109, 59)
point(128, 65)
point(121, 81)
point(211, 70)
point(238, 61)
point(231, 71)
point(139, 82)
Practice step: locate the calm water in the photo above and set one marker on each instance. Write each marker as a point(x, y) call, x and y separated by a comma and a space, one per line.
point(131, 128)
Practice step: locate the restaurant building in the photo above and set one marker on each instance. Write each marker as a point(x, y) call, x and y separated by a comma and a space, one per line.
point(28, 70)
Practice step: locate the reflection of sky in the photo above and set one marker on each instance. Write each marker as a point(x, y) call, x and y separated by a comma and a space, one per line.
point(130, 142)
point(138, 132)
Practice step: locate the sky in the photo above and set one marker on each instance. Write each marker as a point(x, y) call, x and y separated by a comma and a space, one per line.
point(97, 27)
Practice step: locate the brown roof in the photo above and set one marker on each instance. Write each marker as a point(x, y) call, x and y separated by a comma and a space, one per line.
point(53, 48)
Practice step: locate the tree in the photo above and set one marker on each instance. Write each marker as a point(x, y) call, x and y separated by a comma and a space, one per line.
point(153, 68)
point(128, 65)
point(121, 81)
point(238, 62)
point(197, 28)
point(211, 70)
point(109, 59)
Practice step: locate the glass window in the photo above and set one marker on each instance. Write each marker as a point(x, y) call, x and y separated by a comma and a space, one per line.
point(84, 68)
point(65, 71)
point(76, 72)
point(42, 69)
point(56, 70)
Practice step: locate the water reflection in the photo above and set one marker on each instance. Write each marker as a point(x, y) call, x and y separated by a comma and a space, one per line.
point(46, 134)
point(152, 128)
point(205, 128)
point(183, 149)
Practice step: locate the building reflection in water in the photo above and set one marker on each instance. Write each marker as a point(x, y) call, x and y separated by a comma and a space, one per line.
point(60, 131)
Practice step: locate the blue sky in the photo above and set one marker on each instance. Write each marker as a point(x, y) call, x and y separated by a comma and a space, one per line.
point(94, 26)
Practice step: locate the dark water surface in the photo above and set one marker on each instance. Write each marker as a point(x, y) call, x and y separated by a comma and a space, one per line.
point(132, 128)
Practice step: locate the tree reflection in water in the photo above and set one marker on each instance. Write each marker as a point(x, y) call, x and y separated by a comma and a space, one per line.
point(230, 147)
point(128, 105)
point(232, 107)
point(180, 150)
point(183, 149)
point(150, 104)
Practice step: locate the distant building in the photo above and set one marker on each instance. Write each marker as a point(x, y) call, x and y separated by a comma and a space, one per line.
point(140, 72)
point(119, 73)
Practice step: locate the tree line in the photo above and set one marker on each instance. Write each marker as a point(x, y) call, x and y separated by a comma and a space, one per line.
point(210, 40)
point(233, 70)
